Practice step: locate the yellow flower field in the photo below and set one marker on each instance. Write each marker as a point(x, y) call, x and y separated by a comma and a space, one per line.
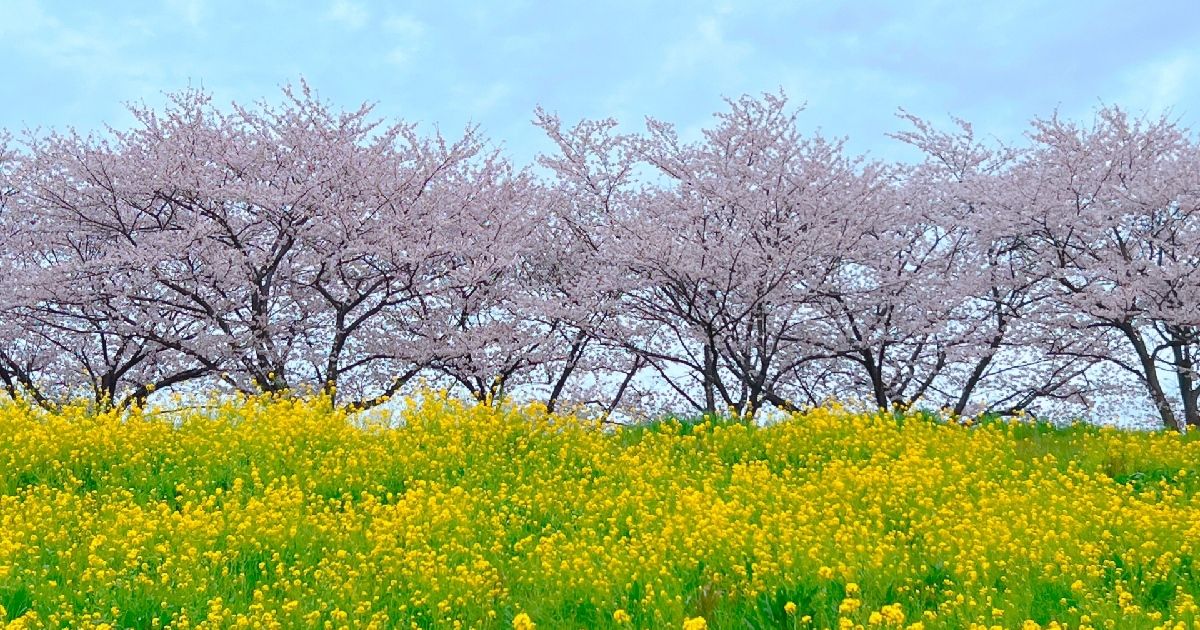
point(284, 514)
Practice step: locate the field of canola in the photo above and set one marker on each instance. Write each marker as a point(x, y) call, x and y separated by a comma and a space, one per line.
point(283, 514)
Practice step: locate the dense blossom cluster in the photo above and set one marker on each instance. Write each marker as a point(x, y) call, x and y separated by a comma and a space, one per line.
point(295, 246)
point(279, 513)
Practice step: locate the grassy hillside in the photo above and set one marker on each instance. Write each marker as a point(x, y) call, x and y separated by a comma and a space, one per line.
point(283, 514)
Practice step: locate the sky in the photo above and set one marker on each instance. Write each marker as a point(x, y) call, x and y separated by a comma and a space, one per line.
point(449, 64)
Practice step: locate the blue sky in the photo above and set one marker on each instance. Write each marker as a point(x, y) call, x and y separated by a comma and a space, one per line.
point(450, 63)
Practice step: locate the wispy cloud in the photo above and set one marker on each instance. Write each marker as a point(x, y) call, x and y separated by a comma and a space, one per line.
point(477, 100)
point(1162, 84)
point(91, 47)
point(348, 13)
point(408, 35)
point(853, 63)
point(704, 48)
point(404, 26)
point(192, 11)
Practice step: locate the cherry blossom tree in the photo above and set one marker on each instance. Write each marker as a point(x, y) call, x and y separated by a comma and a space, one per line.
point(272, 248)
point(295, 247)
point(889, 312)
point(722, 264)
point(376, 250)
point(1115, 219)
point(1008, 352)
point(474, 318)
point(575, 279)
point(70, 213)
point(320, 248)
point(25, 362)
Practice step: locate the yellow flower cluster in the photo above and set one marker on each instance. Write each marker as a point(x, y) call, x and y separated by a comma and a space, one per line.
point(275, 513)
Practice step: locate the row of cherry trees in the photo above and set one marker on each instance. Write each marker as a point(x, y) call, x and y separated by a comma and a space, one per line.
point(299, 247)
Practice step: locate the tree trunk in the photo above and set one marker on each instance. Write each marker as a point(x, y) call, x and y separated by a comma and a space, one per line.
point(710, 380)
point(875, 373)
point(1150, 377)
point(1187, 386)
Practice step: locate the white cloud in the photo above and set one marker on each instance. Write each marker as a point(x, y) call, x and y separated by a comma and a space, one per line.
point(399, 56)
point(84, 47)
point(1167, 83)
point(478, 100)
point(349, 13)
point(491, 97)
point(190, 10)
point(404, 26)
point(409, 35)
point(705, 47)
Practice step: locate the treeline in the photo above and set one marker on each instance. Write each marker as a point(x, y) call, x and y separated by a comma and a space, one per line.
point(300, 247)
